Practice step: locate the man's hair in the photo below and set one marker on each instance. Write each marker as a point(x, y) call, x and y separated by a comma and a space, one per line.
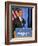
point(18, 9)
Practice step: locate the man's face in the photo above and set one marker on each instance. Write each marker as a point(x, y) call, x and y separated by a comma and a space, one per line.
point(20, 13)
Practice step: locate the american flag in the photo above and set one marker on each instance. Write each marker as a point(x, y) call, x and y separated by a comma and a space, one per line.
point(13, 15)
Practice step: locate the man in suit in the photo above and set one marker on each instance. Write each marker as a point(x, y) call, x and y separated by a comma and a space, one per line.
point(18, 21)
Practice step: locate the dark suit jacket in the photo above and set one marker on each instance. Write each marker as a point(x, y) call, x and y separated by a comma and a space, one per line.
point(17, 23)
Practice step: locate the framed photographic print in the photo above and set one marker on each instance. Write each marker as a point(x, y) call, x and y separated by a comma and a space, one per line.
point(20, 22)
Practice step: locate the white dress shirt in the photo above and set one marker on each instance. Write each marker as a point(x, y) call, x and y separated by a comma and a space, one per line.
point(20, 18)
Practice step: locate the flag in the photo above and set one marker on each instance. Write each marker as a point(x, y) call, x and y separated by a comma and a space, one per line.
point(13, 15)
